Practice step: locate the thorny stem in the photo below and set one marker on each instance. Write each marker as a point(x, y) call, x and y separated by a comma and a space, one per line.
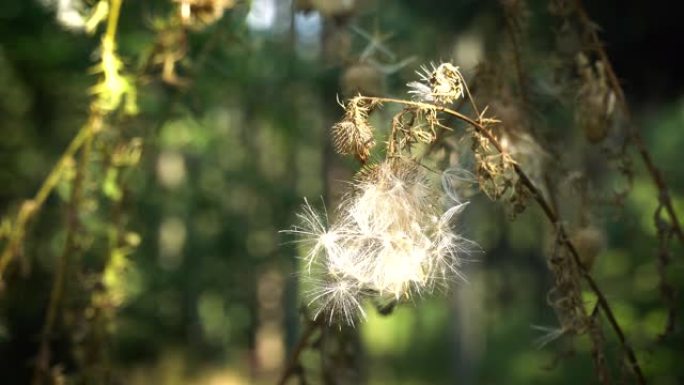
point(656, 175)
point(551, 216)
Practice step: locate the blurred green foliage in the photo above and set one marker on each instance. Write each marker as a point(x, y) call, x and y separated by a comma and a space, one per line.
point(226, 162)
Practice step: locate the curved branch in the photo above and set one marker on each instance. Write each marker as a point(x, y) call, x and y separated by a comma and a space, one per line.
point(31, 206)
point(550, 215)
point(70, 246)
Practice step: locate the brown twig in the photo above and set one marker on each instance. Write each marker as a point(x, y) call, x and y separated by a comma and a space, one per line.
point(667, 290)
point(596, 336)
point(551, 216)
point(513, 30)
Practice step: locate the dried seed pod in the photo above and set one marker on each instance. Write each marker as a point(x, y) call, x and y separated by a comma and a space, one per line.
point(349, 138)
point(366, 173)
point(596, 101)
point(440, 84)
point(343, 137)
point(594, 131)
point(589, 241)
point(354, 135)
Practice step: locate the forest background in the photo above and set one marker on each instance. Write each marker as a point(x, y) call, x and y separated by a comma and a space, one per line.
point(149, 161)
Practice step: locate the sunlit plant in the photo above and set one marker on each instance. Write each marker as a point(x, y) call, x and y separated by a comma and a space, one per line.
point(391, 238)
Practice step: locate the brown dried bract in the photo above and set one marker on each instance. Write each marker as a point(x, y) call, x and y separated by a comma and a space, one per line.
point(354, 134)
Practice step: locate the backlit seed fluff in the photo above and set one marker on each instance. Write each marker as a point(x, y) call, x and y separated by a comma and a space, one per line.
point(389, 240)
point(442, 84)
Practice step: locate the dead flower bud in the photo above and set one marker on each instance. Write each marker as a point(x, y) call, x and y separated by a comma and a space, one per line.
point(596, 100)
point(354, 134)
point(443, 84)
point(589, 241)
point(349, 138)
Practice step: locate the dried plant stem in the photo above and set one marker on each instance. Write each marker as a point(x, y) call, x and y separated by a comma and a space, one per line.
point(93, 125)
point(637, 140)
point(596, 336)
point(70, 245)
point(667, 290)
point(551, 216)
point(513, 32)
point(31, 206)
point(302, 343)
point(441, 130)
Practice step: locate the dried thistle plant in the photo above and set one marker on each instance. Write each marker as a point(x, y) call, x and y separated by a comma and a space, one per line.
point(354, 134)
point(442, 84)
point(391, 238)
point(389, 241)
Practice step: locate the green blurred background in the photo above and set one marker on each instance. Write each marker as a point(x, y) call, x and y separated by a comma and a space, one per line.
point(210, 296)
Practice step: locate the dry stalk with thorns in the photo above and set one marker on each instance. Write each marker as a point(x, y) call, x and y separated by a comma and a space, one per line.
point(389, 240)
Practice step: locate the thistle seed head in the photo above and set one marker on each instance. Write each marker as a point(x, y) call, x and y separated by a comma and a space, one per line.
point(349, 138)
point(389, 240)
point(354, 134)
point(442, 84)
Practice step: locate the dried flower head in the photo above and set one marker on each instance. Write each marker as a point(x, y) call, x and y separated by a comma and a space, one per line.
point(589, 241)
point(354, 134)
point(595, 100)
point(566, 294)
point(390, 240)
point(442, 84)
